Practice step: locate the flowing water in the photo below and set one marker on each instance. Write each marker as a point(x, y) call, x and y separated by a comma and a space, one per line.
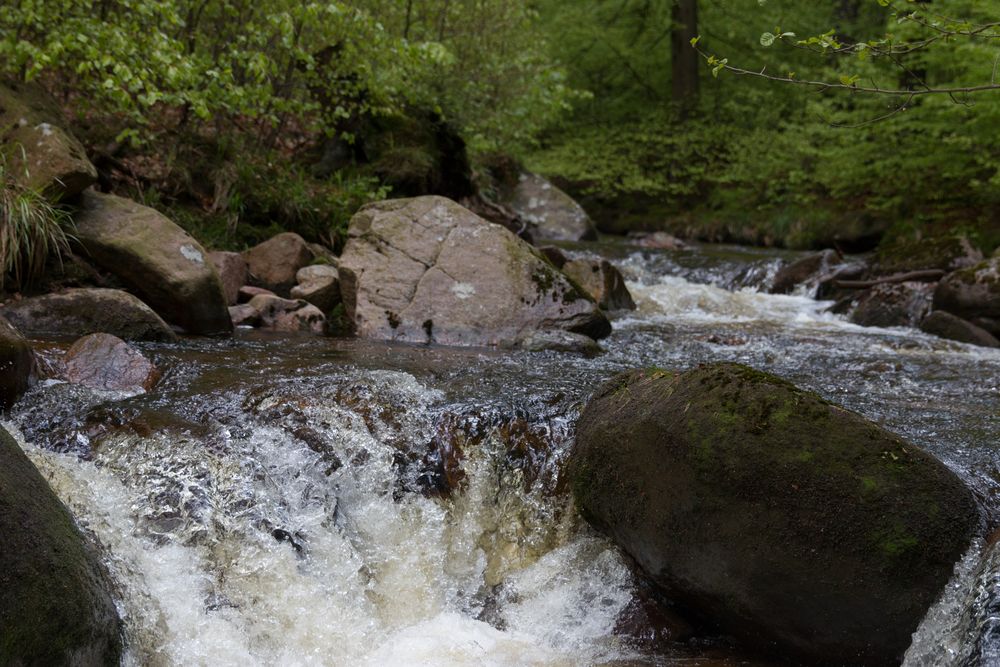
point(304, 501)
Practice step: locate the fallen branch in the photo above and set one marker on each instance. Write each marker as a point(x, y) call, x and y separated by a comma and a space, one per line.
point(925, 276)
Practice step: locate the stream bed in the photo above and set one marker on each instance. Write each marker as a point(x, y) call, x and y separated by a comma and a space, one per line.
point(283, 500)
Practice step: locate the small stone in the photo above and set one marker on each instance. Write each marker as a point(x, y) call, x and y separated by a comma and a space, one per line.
point(106, 362)
point(558, 340)
point(248, 292)
point(319, 285)
point(288, 314)
point(244, 315)
point(602, 281)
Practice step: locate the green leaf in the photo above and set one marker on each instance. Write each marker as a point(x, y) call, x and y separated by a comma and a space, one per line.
point(767, 39)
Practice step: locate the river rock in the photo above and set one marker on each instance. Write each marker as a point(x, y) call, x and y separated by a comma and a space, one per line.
point(804, 270)
point(555, 215)
point(783, 519)
point(319, 285)
point(38, 151)
point(971, 292)
point(233, 272)
point(274, 263)
point(56, 606)
point(602, 281)
point(428, 270)
point(894, 305)
point(157, 259)
point(17, 365)
point(945, 325)
point(557, 340)
point(78, 312)
point(288, 314)
point(248, 292)
point(554, 254)
point(244, 315)
point(106, 362)
point(659, 241)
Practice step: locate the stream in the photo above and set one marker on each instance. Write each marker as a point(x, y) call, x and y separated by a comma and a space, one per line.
point(281, 500)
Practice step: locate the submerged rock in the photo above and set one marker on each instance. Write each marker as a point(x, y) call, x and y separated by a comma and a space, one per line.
point(945, 325)
point(17, 365)
point(78, 312)
point(56, 606)
point(428, 270)
point(274, 263)
point(555, 215)
point(102, 361)
point(602, 281)
point(785, 520)
point(556, 340)
point(811, 267)
point(36, 148)
point(156, 258)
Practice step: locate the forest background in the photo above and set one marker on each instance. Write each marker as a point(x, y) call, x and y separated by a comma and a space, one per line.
point(239, 118)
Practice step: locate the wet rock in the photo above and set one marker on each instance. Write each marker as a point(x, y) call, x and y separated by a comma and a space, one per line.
point(650, 625)
point(945, 325)
point(948, 253)
point(554, 255)
point(319, 285)
point(660, 241)
point(804, 270)
point(971, 292)
point(894, 305)
point(165, 266)
point(105, 362)
point(233, 272)
point(274, 263)
point(602, 281)
point(429, 270)
point(560, 341)
point(244, 315)
point(827, 285)
point(56, 606)
point(17, 365)
point(78, 312)
point(248, 292)
point(555, 215)
point(288, 314)
point(781, 518)
point(37, 149)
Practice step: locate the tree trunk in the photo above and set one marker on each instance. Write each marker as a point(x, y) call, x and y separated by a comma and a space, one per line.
point(684, 58)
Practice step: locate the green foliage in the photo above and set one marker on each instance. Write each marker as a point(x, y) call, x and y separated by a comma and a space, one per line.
point(31, 230)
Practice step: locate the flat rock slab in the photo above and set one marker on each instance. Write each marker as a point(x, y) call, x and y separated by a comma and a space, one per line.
point(428, 270)
point(107, 363)
point(78, 312)
point(155, 258)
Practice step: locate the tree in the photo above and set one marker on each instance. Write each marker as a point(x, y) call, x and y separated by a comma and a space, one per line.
point(684, 61)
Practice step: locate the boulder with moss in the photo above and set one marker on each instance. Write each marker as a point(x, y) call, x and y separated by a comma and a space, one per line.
point(56, 606)
point(155, 258)
point(973, 293)
point(555, 215)
point(81, 311)
point(771, 513)
point(37, 150)
point(602, 281)
point(428, 270)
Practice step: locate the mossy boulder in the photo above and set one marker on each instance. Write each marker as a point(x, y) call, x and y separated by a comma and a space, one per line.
point(82, 311)
point(55, 602)
point(784, 519)
point(17, 364)
point(156, 258)
point(38, 151)
point(428, 270)
point(972, 292)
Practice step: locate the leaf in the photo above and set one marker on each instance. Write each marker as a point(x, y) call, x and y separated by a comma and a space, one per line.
point(767, 39)
point(695, 40)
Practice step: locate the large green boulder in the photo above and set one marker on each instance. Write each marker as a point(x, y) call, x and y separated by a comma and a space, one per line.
point(38, 151)
point(55, 604)
point(157, 259)
point(783, 519)
point(17, 364)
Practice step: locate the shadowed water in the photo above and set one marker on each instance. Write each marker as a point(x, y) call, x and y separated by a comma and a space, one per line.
point(281, 500)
